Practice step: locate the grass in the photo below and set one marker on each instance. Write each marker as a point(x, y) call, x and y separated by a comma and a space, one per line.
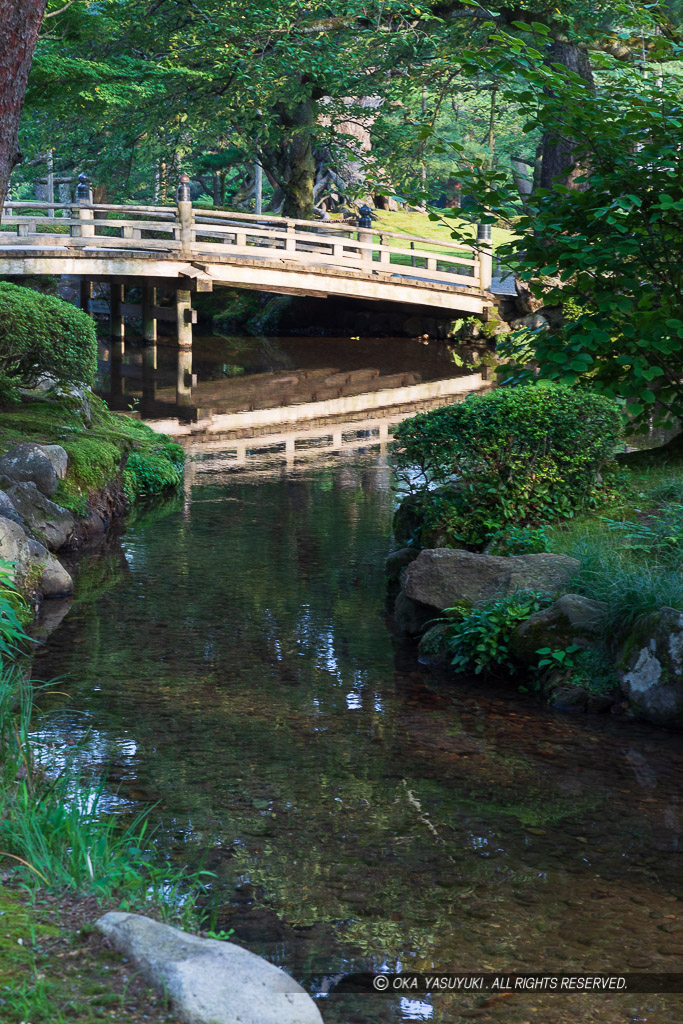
point(60, 847)
point(419, 224)
point(630, 548)
point(54, 969)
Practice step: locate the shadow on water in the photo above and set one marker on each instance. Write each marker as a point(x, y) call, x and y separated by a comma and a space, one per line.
point(232, 660)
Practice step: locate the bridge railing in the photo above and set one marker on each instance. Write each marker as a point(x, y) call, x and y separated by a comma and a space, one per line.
point(188, 232)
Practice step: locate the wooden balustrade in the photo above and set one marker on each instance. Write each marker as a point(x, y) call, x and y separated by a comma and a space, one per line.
point(190, 232)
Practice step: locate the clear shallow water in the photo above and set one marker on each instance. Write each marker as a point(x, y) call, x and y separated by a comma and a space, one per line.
point(230, 658)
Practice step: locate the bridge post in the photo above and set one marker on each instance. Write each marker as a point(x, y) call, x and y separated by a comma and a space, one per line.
point(84, 199)
point(365, 221)
point(117, 327)
point(185, 215)
point(149, 323)
point(485, 256)
point(85, 294)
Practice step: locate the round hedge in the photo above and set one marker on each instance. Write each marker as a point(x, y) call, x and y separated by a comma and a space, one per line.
point(520, 456)
point(41, 334)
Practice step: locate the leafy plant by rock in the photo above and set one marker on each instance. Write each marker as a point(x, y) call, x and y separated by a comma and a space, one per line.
point(42, 335)
point(519, 457)
point(478, 639)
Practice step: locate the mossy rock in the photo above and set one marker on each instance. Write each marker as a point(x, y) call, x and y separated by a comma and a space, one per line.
point(572, 619)
point(433, 646)
point(413, 517)
point(650, 668)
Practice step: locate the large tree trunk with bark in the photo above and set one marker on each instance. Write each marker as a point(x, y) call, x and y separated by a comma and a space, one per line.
point(291, 165)
point(19, 27)
point(558, 165)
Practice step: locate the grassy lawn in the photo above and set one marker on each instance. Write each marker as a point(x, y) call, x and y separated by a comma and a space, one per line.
point(420, 224)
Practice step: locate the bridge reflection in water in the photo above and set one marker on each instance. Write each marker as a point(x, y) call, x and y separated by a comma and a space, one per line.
point(316, 380)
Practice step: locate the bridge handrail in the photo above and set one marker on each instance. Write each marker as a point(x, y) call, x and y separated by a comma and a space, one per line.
point(346, 245)
point(203, 216)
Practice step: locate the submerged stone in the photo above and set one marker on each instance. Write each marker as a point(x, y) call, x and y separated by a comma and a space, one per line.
point(208, 981)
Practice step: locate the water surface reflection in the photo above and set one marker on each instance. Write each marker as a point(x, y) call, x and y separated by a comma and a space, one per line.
point(233, 661)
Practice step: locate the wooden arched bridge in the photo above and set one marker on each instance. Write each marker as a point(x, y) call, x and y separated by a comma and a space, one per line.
point(188, 249)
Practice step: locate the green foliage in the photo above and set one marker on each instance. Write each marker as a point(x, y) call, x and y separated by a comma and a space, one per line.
point(519, 540)
point(40, 334)
point(521, 456)
point(658, 536)
point(588, 668)
point(562, 657)
point(479, 638)
point(153, 471)
point(12, 615)
point(601, 239)
point(630, 559)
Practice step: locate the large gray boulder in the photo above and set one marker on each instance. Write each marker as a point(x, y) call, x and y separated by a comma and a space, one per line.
point(206, 981)
point(36, 567)
point(442, 577)
point(28, 462)
point(44, 517)
point(13, 542)
point(651, 668)
point(58, 457)
point(53, 580)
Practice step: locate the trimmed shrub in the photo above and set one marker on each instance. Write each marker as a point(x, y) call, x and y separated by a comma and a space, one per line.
point(519, 456)
point(41, 334)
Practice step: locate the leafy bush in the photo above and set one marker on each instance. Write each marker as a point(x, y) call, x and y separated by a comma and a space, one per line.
point(479, 638)
point(41, 334)
point(520, 456)
point(519, 540)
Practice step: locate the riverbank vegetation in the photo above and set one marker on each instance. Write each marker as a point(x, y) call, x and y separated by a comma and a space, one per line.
point(535, 469)
point(68, 847)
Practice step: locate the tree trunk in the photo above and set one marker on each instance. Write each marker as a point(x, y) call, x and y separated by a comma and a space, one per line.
point(19, 27)
point(293, 163)
point(558, 166)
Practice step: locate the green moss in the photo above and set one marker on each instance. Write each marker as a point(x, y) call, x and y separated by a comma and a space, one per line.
point(18, 933)
point(110, 446)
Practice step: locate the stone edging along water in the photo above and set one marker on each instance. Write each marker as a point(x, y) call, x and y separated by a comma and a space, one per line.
point(208, 981)
point(647, 669)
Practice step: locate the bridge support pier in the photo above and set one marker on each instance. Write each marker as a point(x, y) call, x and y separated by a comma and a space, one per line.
point(85, 294)
point(149, 323)
point(117, 326)
point(184, 319)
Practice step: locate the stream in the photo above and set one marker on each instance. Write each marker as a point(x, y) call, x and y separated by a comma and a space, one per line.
point(230, 658)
